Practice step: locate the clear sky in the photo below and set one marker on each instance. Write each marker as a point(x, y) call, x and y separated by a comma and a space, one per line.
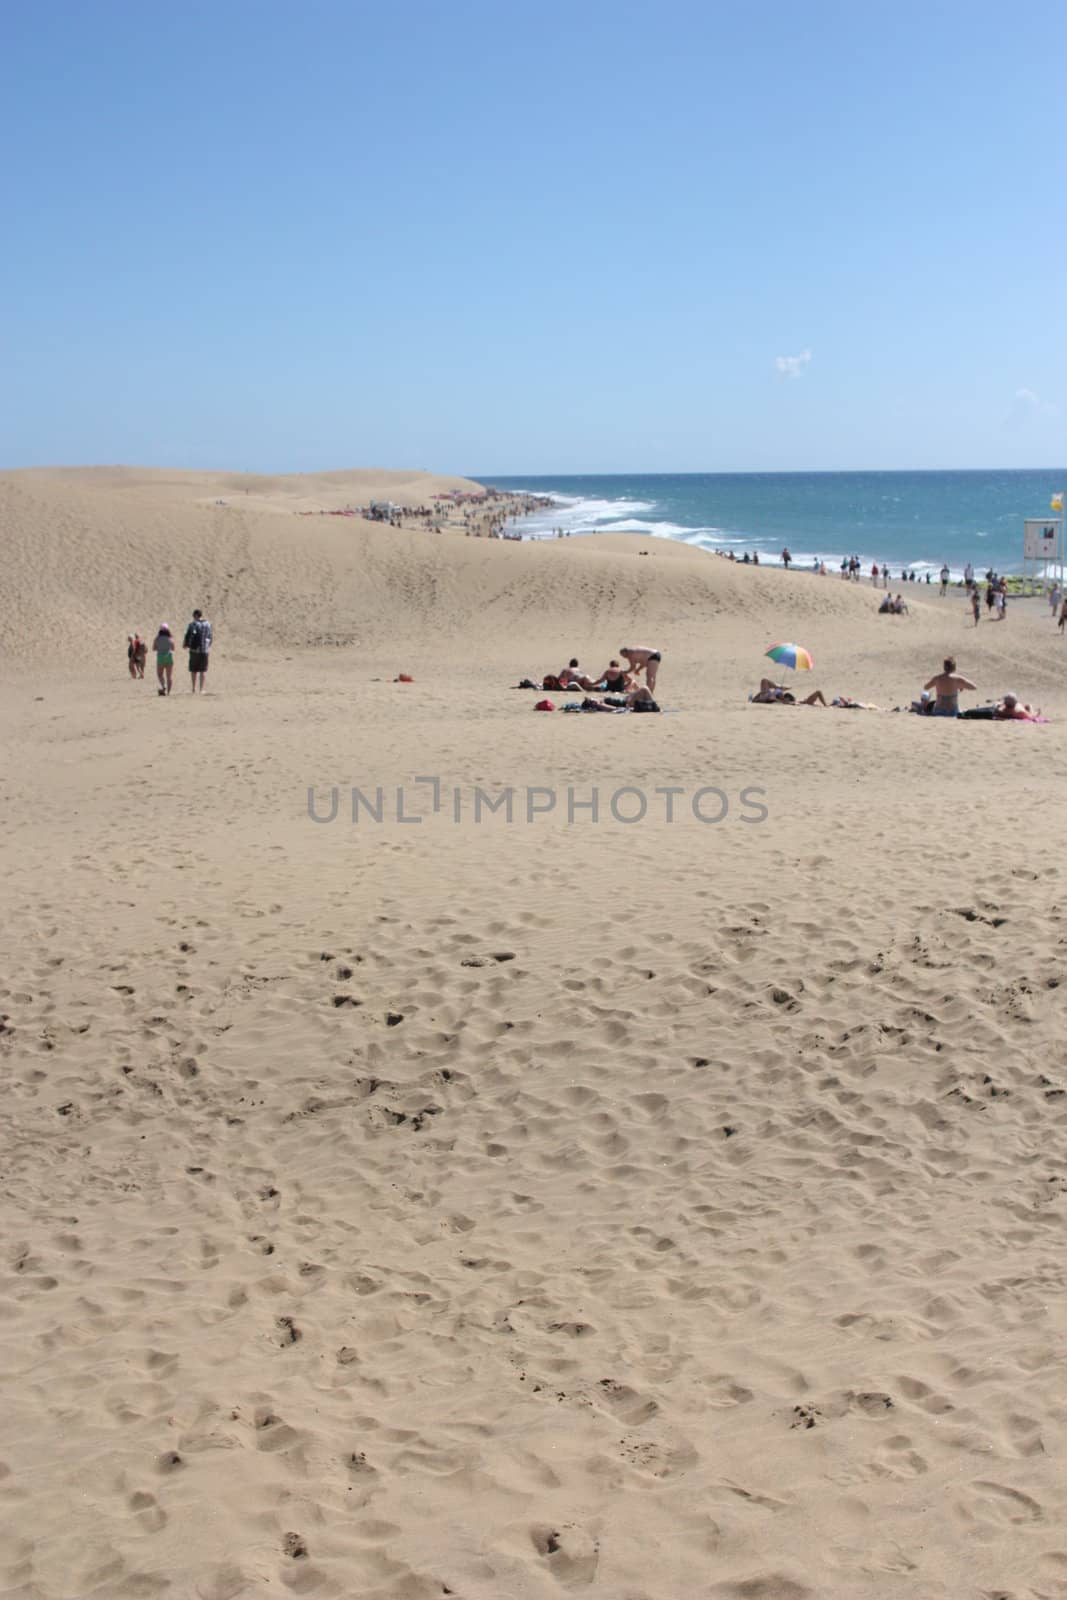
point(496, 236)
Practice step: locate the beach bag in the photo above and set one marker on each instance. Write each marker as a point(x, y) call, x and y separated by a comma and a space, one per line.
point(544, 705)
point(644, 705)
point(550, 681)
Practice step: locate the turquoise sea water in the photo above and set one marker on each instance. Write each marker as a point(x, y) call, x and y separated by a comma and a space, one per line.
point(906, 520)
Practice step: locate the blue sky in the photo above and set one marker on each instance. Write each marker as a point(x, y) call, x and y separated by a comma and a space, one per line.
point(521, 238)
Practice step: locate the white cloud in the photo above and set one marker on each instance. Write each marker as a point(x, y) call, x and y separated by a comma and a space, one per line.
point(1026, 404)
point(792, 366)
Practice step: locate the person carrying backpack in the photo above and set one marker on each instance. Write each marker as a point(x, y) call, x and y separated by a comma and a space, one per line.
point(198, 639)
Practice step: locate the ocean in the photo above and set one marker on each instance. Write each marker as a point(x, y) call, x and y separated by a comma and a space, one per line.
point(907, 520)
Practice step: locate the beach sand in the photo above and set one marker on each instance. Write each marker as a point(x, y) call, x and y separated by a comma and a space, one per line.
point(408, 1208)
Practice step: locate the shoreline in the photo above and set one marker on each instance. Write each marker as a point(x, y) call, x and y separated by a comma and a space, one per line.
point(616, 504)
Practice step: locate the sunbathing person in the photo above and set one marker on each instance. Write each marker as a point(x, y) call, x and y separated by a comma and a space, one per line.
point(776, 694)
point(1009, 710)
point(616, 679)
point(571, 677)
point(947, 685)
point(637, 700)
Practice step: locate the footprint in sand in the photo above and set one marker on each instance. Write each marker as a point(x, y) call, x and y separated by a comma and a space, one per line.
point(572, 1554)
point(149, 1513)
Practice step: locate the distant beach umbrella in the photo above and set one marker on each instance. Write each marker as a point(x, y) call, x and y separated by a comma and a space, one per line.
point(791, 655)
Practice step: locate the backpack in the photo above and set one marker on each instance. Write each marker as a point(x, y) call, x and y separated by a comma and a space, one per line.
point(550, 681)
point(194, 636)
point(644, 705)
point(544, 705)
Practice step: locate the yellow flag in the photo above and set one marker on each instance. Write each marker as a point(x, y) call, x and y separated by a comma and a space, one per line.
point(1056, 503)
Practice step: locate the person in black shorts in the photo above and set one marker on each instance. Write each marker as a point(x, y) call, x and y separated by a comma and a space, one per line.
point(639, 658)
point(198, 638)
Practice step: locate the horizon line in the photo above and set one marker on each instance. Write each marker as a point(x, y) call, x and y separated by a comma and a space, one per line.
point(759, 472)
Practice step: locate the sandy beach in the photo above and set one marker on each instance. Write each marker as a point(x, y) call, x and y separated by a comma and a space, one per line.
point(504, 1209)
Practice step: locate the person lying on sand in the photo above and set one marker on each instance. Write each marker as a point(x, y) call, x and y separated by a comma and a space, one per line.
point(572, 677)
point(947, 686)
point(637, 700)
point(1009, 710)
point(776, 694)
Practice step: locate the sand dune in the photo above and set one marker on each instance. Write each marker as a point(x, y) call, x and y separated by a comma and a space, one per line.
point(518, 1209)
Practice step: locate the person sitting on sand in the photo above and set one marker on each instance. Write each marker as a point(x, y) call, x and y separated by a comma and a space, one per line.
point(947, 686)
point(900, 607)
point(616, 679)
point(639, 658)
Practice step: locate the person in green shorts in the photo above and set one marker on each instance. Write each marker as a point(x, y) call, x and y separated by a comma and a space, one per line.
point(163, 645)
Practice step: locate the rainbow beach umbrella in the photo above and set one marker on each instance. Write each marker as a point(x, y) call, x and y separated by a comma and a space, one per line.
point(791, 655)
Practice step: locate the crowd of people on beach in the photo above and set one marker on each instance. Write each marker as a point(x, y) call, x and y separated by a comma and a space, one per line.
point(197, 640)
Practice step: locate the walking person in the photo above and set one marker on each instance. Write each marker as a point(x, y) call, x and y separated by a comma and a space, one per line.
point(163, 645)
point(976, 605)
point(136, 651)
point(944, 581)
point(198, 639)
